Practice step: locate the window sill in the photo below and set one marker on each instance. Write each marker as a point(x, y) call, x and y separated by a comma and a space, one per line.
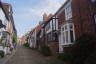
point(67, 44)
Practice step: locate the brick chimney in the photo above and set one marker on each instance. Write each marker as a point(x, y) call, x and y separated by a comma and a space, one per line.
point(44, 16)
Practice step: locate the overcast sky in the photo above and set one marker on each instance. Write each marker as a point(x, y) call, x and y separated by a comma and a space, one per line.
point(27, 13)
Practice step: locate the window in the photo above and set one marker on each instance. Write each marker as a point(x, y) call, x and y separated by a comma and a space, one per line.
point(71, 36)
point(68, 12)
point(68, 35)
point(63, 37)
point(51, 24)
point(62, 29)
point(95, 18)
point(47, 26)
point(2, 16)
point(54, 24)
point(0, 33)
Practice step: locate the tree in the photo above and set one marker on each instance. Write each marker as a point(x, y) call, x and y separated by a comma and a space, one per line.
point(14, 38)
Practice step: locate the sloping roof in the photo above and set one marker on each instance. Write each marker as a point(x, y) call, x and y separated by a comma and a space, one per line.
point(48, 17)
point(4, 10)
point(5, 7)
point(38, 28)
point(61, 7)
point(31, 32)
point(8, 9)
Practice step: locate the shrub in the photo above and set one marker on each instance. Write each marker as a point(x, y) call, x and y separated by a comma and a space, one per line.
point(91, 59)
point(66, 57)
point(26, 45)
point(45, 50)
point(83, 48)
point(2, 53)
point(14, 40)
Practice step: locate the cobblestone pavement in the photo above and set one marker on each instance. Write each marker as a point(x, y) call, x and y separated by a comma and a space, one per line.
point(28, 56)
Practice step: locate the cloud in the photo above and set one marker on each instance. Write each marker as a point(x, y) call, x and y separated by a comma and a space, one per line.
point(33, 14)
point(47, 6)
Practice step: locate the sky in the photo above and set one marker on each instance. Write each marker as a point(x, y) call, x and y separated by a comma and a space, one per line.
point(28, 13)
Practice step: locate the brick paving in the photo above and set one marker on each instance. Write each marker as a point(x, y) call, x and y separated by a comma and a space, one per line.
point(29, 56)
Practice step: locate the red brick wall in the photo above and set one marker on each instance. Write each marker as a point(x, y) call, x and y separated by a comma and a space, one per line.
point(67, 48)
point(61, 17)
point(82, 17)
point(54, 47)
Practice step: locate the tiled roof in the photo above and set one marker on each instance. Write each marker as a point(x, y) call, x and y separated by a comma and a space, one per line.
point(6, 8)
point(38, 28)
point(48, 17)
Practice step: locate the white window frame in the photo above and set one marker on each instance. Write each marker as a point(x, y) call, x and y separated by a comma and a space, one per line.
point(2, 16)
point(54, 24)
point(68, 12)
point(64, 41)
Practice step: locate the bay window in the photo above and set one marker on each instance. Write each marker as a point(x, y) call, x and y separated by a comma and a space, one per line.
point(68, 35)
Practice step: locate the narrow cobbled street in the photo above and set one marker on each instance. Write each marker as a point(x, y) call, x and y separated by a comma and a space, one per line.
point(29, 56)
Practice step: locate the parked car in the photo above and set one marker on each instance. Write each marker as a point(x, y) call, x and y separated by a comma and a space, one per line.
point(2, 53)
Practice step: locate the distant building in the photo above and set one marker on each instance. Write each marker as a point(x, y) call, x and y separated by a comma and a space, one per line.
point(7, 26)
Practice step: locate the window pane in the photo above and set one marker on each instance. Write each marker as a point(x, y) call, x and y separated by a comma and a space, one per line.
point(65, 27)
point(63, 37)
point(68, 12)
point(54, 24)
point(51, 24)
point(71, 36)
point(71, 26)
point(66, 36)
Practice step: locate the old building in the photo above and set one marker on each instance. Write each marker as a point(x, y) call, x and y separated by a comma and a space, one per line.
point(7, 25)
point(51, 36)
point(48, 33)
point(10, 25)
point(3, 26)
point(32, 38)
point(70, 22)
point(75, 18)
